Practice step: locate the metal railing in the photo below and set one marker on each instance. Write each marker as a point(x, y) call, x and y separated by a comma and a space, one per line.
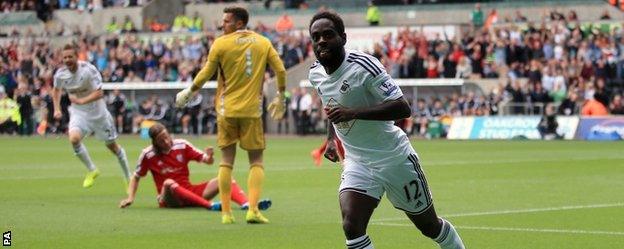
point(527, 108)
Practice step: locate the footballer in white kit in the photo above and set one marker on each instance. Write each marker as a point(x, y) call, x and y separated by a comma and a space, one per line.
point(378, 155)
point(87, 113)
point(362, 101)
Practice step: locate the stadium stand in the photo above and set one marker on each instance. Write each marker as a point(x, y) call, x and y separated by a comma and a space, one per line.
point(521, 55)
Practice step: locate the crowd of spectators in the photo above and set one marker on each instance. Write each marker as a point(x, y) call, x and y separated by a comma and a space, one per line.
point(94, 5)
point(557, 61)
point(578, 68)
point(27, 68)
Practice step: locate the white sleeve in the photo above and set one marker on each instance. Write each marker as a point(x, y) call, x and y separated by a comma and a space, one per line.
point(57, 83)
point(382, 87)
point(96, 78)
point(312, 78)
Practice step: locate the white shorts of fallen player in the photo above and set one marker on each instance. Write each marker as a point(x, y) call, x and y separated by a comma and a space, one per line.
point(103, 128)
point(404, 183)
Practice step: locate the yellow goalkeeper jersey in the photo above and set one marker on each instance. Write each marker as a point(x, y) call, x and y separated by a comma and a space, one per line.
point(240, 58)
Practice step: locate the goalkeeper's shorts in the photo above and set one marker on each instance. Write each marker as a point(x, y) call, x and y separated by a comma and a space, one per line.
point(247, 131)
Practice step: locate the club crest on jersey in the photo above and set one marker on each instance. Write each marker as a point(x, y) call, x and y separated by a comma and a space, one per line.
point(388, 88)
point(345, 87)
point(179, 157)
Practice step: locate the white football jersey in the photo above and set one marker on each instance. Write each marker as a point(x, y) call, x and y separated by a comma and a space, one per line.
point(84, 81)
point(361, 81)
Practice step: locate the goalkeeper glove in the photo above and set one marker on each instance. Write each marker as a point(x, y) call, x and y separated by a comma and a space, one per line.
point(277, 108)
point(183, 97)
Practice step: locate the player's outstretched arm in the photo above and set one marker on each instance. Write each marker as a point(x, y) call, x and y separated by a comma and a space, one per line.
point(277, 107)
point(200, 79)
point(389, 110)
point(132, 189)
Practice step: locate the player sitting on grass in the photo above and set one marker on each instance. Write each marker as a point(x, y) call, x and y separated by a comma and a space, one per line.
point(168, 159)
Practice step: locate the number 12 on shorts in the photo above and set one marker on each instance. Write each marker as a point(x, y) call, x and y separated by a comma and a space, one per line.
point(416, 194)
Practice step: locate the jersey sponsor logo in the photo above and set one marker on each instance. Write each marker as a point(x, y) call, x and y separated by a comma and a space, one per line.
point(388, 88)
point(168, 170)
point(345, 87)
point(180, 158)
point(342, 127)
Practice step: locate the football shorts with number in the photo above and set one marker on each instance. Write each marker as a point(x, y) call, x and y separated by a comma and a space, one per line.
point(403, 183)
point(92, 117)
point(103, 127)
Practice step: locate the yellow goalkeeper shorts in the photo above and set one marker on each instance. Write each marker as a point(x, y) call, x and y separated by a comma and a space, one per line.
point(246, 130)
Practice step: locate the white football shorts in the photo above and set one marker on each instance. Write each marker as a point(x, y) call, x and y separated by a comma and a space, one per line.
point(404, 183)
point(103, 127)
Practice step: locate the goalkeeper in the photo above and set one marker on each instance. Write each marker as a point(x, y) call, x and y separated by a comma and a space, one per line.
point(240, 57)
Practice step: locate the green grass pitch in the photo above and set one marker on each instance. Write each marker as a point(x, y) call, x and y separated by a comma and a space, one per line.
point(499, 194)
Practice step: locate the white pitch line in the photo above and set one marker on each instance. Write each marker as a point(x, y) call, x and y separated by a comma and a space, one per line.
point(513, 229)
point(426, 163)
point(334, 167)
point(518, 211)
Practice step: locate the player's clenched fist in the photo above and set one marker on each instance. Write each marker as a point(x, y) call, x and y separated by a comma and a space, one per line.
point(339, 114)
point(58, 114)
point(331, 152)
point(209, 158)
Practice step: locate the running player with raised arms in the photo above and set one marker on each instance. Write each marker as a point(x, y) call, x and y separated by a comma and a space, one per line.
point(362, 101)
point(87, 113)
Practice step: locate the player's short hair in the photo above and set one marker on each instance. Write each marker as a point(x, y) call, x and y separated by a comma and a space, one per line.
point(153, 132)
point(70, 46)
point(239, 13)
point(156, 129)
point(333, 17)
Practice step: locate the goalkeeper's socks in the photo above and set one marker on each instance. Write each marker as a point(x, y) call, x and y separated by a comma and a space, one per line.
point(238, 195)
point(81, 152)
point(448, 237)
point(225, 187)
point(123, 163)
point(190, 197)
point(254, 183)
point(362, 242)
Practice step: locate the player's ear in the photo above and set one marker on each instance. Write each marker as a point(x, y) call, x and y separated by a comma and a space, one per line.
point(240, 24)
point(344, 38)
